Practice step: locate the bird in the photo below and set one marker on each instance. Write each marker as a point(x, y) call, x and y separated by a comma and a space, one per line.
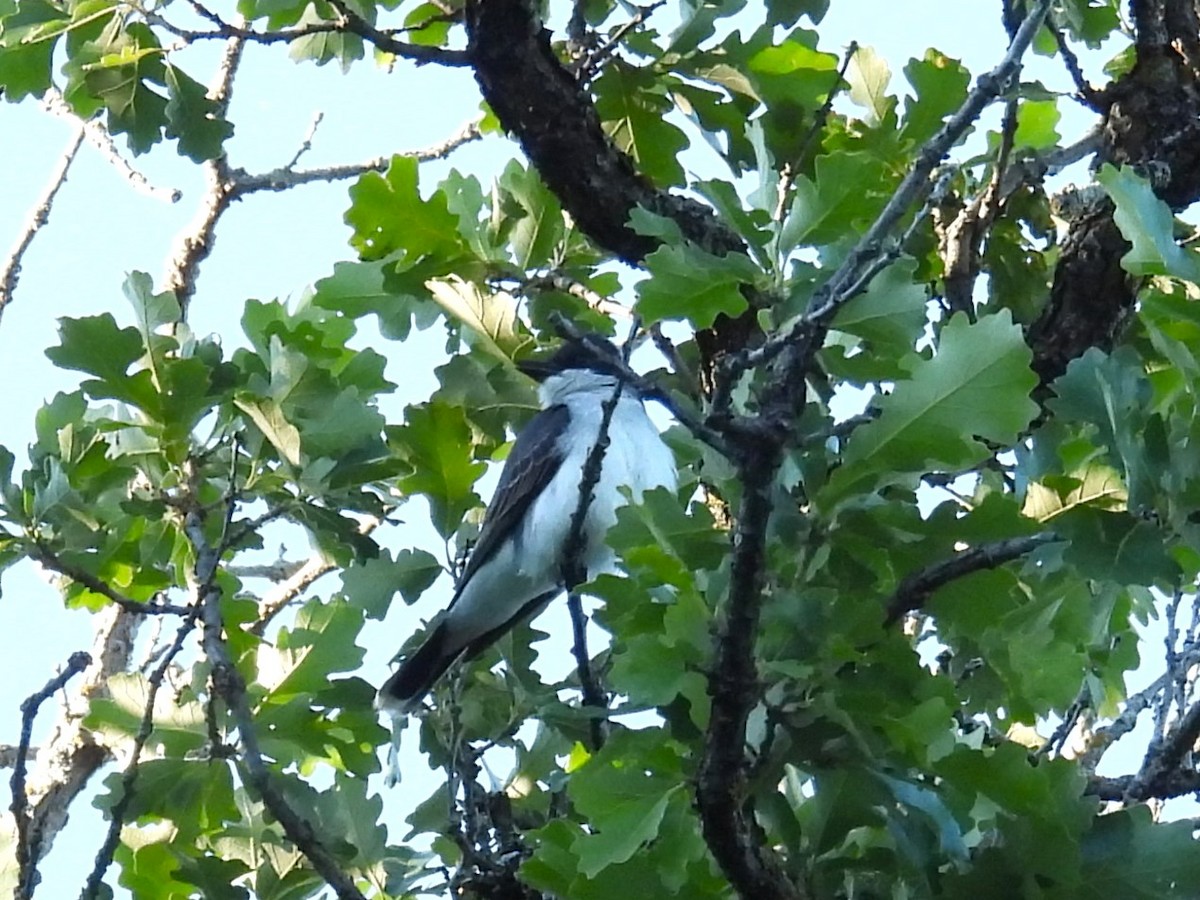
point(515, 568)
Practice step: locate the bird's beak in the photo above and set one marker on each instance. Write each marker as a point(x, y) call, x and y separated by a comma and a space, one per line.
point(537, 369)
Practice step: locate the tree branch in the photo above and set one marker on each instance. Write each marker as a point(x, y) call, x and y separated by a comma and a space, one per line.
point(41, 553)
point(419, 54)
point(917, 184)
point(104, 856)
point(28, 850)
point(915, 589)
point(575, 546)
point(753, 869)
point(544, 107)
point(10, 271)
point(287, 177)
point(70, 755)
point(228, 684)
point(348, 22)
point(102, 141)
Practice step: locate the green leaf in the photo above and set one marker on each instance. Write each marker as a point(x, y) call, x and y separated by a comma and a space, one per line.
point(1111, 393)
point(697, 22)
point(271, 420)
point(623, 791)
point(1147, 223)
point(539, 227)
point(320, 643)
point(835, 202)
point(437, 441)
point(356, 289)
point(326, 46)
point(890, 314)
point(388, 214)
point(689, 284)
point(25, 61)
point(490, 317)
point(1128, 855)
point(941, 85)
point(788, 12)
point(1117, 547)
point(198, 122)
point(1036, 121)
point(152, 310)
point(868, 75)
point(95, 345)
point(118, 70)
point(632, 106)
point(370, 584)
point(977, 386)
point(427, 25)
point(179, 728)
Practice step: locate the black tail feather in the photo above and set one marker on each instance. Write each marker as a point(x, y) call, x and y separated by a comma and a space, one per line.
point(418, 673)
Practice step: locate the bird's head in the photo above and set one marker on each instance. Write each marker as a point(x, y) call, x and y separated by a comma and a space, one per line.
point(590, 363)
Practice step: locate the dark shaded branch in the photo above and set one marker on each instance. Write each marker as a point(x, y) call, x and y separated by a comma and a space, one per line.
point(753, 869)
point(1086, 94)
point(575, 547)
point(1152, 117)
point(597, 57)
point(541, 104)
point(915, 589)
point(417, 53)
point(1123, 788)
point(28, 850)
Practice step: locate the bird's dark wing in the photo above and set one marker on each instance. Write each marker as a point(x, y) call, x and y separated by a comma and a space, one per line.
point(534, 460)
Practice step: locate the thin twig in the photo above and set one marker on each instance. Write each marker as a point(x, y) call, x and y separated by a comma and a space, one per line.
point(1086, 94)
point(347, 22)
point(594, 60)
point(557, 281)
point(9, 755)
point(10, 273)
point(307, 143)
point(99, 137)
point(822, 115)
point(228, 684)
point(116, 814)
point(575, 546)
point(44, 555)
point(28, 839)
point(416, 53)
point(287, 177)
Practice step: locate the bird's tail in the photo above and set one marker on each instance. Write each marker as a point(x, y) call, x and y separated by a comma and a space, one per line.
point(417, 674)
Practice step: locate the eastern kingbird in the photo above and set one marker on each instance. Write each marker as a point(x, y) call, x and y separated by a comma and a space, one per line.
point(515, 568)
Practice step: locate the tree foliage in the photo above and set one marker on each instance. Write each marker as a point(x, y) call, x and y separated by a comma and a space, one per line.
point(879, 654)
